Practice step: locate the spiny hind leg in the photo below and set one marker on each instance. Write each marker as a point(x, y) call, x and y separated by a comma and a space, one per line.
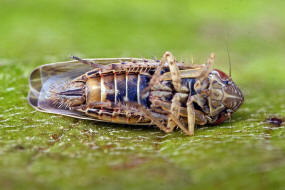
point(158, 119)
point(200, 117)
point(92, 64)
point(174, 113)
point(190, 117)
point(112, 113)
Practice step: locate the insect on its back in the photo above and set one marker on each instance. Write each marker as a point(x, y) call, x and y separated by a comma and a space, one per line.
point(136, 91)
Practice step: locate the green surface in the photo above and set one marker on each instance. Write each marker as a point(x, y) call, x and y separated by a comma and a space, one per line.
point(45, 151)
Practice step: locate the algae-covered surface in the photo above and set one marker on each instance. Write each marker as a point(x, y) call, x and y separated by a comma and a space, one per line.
point(45, 151)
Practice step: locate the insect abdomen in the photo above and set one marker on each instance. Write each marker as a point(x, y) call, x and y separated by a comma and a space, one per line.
point(117, 88)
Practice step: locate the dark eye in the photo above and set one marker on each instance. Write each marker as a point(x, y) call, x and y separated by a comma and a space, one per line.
point(226, 82)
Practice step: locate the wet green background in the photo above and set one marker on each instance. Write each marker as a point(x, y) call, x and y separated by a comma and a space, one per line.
point(45, 151)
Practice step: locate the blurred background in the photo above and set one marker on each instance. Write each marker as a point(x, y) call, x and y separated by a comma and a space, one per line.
point(45, 151)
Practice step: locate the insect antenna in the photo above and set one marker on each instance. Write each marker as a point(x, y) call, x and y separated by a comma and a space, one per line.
point(230, 65)
point(229, 57)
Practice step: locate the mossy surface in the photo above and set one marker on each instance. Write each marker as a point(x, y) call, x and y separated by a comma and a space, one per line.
point(45, 151)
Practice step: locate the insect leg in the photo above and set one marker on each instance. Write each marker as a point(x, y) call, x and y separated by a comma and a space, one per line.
point(174, 70)
point(158, 119)
point(81, 108)
point(199, 72)
point(92, 64)
point(200, 117)
point(188, 73)
point(155, 77)
point(174, 113)
point(190, 115)
point(101, 104)
point(208, 67)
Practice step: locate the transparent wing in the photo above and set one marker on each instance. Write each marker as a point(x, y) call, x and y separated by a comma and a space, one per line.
point(54, 75)
point(45, 77)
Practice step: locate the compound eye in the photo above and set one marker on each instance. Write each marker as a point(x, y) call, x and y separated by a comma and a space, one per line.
point(226, 82)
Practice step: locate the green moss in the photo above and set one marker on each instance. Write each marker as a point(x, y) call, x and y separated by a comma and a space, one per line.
point(44, 151)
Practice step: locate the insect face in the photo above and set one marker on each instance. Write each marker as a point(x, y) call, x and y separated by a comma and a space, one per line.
point(225, 96)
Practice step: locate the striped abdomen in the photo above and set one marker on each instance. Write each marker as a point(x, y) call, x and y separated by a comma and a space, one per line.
point(116, 89)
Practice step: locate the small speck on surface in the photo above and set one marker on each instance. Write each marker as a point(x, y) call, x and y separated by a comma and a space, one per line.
point(275, 121)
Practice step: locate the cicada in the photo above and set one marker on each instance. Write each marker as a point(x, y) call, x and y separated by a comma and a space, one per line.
point(164, 92)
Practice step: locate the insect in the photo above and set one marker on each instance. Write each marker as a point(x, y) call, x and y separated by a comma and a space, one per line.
point(165, 93)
